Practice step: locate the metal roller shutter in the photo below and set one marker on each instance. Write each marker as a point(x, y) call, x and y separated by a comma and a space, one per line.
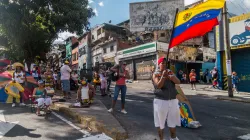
point(241, 65)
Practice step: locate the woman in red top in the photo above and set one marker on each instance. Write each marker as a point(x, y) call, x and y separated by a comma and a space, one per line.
point(192, 77)
point(120, 85)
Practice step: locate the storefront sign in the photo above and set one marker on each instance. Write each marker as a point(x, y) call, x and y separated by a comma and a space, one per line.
point(142, 49)
point(239, 29)
point(217, 38)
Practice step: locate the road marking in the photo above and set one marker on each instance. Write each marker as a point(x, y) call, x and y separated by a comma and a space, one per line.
point(71, 124)
point(5, 126)
point(245, 137)
point(97, 137)
point(86, 135)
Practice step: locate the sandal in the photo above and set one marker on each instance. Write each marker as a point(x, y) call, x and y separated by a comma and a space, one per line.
point(38, 114)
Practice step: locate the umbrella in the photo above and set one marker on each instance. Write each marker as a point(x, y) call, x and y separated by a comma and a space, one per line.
point(4, 63)
point(17, 64)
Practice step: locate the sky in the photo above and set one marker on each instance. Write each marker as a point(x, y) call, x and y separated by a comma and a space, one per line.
point(118, 11)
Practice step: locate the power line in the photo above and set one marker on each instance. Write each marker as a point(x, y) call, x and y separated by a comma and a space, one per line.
point(240, 7)
point(243, 1)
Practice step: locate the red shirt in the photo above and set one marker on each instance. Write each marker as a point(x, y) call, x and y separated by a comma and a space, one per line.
point(122, 80)
point(192, 76)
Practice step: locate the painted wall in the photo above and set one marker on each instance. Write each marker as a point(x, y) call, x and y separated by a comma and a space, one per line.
point(75, 56)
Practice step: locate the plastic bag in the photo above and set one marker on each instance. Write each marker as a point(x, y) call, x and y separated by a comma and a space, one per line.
point(194, 124)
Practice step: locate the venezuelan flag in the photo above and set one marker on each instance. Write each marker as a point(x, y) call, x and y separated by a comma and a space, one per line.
point(196, 21)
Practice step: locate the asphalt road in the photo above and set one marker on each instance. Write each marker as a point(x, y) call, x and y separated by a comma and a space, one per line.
point(30, 126)
point(221, 120)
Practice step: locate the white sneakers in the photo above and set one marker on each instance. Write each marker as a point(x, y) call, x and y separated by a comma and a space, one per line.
point(21, 104)
point(122, 111)
point(174, 138)
point(110, 110)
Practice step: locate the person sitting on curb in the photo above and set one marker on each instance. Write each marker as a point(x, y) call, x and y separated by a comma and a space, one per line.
point(42, 98)
point(85, 93)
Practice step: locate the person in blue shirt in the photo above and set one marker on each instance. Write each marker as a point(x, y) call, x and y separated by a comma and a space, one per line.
point(235, 81)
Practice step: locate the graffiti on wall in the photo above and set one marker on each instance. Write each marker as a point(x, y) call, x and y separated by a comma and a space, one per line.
point(156, 15)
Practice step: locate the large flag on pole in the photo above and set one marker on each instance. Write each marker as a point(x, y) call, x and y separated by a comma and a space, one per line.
point(196, 21)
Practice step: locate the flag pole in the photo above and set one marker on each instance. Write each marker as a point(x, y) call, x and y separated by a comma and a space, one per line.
point(172, 32)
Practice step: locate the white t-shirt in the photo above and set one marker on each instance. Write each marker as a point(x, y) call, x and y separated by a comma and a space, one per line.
point(74, 77)
point(65, 72)
point(55, 76)
point(18, 77)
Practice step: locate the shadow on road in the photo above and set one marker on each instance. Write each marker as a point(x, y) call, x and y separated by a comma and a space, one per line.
point(19, 130)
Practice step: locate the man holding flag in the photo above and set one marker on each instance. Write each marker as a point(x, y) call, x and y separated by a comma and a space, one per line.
point(194, 22)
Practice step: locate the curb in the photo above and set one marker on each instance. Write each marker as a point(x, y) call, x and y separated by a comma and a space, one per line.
point(233, 99)
point(90, 122)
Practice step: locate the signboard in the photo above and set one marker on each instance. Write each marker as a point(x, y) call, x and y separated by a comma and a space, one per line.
point(142, 49)
point(154, 15)
point(162, 46)
point(229, 67)
point(217, 38)
point(240, 33)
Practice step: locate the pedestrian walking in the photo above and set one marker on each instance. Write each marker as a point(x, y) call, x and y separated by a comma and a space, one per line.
point(192, 78)
point(109, 79)
point(122, 74)
point(103, 83)
point(235, 81)
point(55, 75)
point(165, 103)
point(74, 77)
point(214, 73)
point(206, 75)
point(180, 73)
point(65, 79)
point(19, 77)
point(96, 80)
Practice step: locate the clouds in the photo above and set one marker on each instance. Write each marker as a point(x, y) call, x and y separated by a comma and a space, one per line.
point(95, 11)
point(90, 1)
point(63, 36)
point(101, 4)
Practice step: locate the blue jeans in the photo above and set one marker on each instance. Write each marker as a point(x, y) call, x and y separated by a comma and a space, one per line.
point(123, 89)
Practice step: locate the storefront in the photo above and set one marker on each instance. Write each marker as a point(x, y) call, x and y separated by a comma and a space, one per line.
point(239, 29)
point(140, 60)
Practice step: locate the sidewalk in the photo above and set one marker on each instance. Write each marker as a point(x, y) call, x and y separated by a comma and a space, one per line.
point(202, 90)
point(95, 118)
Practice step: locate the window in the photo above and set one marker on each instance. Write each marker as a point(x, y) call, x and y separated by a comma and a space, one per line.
point(111, 48)
point(189, 58)
point(99, 31)
point(176, 57)
point(104, 50)
point(162, 34)
point(93, 37)
point(74, 57)
point(206, 57)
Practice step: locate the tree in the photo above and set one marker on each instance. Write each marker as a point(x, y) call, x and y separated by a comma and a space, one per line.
point(30, 26)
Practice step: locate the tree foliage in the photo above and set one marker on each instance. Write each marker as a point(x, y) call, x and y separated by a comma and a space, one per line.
point(30, 26)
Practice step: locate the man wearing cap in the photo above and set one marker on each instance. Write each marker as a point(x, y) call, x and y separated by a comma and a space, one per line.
point(65, 79)
point(120, 85)
point(165, 103)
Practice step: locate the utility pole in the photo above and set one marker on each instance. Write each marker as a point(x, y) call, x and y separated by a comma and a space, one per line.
point(227, 50)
